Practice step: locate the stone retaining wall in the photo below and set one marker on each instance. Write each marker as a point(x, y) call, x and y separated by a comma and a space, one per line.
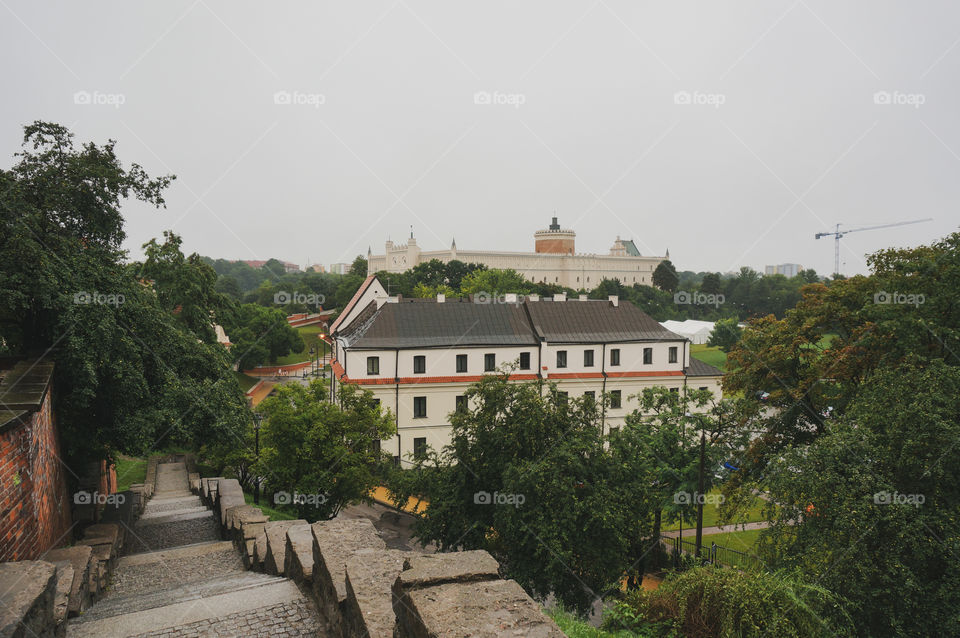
point(361, 588)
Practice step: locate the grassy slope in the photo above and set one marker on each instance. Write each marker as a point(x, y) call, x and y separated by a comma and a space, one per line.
point(711, 514)
point(245, 382)
point(129, 471)
point(274, 514)
point(712, 356)
point(743, 541)
point(311, 337)
point(576, 628)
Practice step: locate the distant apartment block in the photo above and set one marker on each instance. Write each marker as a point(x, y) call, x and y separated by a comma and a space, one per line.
point(788, 270)
point(554, 260)
point(419, 356)
point(260, 263)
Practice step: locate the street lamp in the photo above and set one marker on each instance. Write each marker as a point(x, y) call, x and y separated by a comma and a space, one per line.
point(700, 497)
point(257, 420)
point(313, 363)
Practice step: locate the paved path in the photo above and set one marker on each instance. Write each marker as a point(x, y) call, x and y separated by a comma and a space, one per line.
point(178, 579)
point(739, 527)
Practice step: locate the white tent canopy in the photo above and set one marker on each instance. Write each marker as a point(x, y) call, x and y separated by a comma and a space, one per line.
point(694, 330)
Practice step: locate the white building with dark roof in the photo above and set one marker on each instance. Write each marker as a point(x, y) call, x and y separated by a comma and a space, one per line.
point(418, 356)
point(554, 260)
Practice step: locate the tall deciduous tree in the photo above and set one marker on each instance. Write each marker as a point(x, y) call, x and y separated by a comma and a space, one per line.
point(129, 376)
point(320, 450)
point(665, 276)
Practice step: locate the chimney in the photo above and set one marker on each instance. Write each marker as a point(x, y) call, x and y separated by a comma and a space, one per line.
point(560, 296)
point(533, 297)
point(615, 300)
point(510, 297)
point(582, 298)
point(393, 299)
point(441, 297)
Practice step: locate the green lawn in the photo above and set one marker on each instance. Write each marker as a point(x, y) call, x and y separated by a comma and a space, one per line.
point(711, 515)
point(130, 470)
point(311, 337)
point(743, 541)
point(576, 628)
point(274, 514)
point(710, 355)
point(245, 381)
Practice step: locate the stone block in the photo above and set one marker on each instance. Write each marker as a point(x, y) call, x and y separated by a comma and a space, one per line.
point(259, 551)
point(427, 570)
point(275, 556)
point(27, 598)
point(61, 606)
point(235, 512)
point(480, 609)
point(370, 575)
point(82, 560)
point(229, 494)
point(335, 541)
point(298, 554)
point(111, 531)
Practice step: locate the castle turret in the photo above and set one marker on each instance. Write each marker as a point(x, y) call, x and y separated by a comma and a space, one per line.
point(555, 240)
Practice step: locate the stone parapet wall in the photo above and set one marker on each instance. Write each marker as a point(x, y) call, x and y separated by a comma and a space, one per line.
point(361, 588)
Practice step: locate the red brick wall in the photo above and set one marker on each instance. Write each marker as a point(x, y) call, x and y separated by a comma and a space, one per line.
point(556, 246)
point(34, 502)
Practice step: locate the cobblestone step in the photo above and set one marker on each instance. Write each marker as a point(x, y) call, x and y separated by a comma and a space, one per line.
point(156, 513)
point(275, 609)
point(121, 604)
point(178, 578)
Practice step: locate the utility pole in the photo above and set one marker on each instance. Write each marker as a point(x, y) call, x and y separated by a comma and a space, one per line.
point(257, 420)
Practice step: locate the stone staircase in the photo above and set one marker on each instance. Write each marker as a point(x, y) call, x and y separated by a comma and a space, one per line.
point(177, 578)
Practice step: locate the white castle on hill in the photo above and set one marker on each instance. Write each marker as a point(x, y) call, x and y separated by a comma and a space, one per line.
point(553, 262)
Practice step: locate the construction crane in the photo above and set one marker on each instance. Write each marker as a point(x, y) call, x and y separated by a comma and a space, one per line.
point(837, 234)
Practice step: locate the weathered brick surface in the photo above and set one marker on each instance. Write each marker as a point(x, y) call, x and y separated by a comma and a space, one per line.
point(34, 501)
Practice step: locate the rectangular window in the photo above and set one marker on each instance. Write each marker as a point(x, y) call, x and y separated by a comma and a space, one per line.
point(615, 357)
point(461, 404)
point(675, 390)
point(615, 399)
point(673, 354)
point(524, 360)
point(647, 356)
point(419, 407)
point(376, 448)
point(489, 362)
point(419, 448)
point(461, 363)
point(373, 365)
point(588, 358)
point(375, 403)
point(561, 358)
point(703, 387)
point(563, 398)
point(419, 364)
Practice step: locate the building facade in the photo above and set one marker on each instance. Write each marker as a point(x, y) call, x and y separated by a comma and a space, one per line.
point(789, 270)
point(419, 356)
point(554, 260)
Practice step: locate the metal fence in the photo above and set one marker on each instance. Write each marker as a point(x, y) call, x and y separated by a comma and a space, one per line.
point(713, 554)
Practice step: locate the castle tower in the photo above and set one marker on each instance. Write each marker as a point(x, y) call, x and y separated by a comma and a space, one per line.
point(555, 240)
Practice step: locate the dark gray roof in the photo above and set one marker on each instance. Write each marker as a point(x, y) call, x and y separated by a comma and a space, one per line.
point(595, 321)
point(453, 323)
point(698, 368)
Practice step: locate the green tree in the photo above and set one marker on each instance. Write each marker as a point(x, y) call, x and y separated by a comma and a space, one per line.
point(665, 276)
point(261, 335)
point(495, 282)
point(359, 267)
point(870, 508)
point(321, 450)
point(130, 375)
point(725, 334)
point(527, 477)
point(711, 284)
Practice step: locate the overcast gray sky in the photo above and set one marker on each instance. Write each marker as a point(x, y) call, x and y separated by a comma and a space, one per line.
point(727, 132)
